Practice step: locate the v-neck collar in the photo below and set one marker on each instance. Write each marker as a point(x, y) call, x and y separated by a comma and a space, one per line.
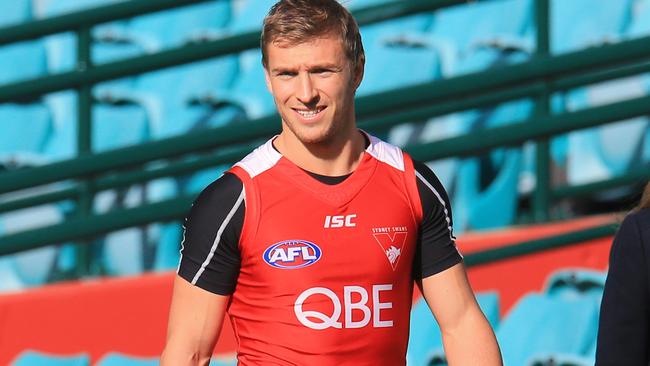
point(338, 194)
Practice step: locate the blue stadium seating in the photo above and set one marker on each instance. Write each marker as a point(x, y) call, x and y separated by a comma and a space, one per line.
point(133, 250)
point(24, 142)
point(478, 191)
point(396, 56)
point(168, 239)
point(597, 153)
point(474, 207)
point(31, 126)
point(189, 104)
point(575, 283)
point(33, 358)
point(30, 54)
point(108, 41)
point(425, 340)
point(10, 280)
point(539, 324)
point(33, 267)
point(475, 36)
point(558, 359)
point(177, 27)
point(118, 359)
point(578, 24)
point(640, 22)
point(394, 59)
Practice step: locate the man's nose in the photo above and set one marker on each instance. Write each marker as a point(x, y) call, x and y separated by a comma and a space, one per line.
point(306, 92)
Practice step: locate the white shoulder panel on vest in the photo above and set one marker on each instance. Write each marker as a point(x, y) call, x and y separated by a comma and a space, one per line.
point(385, 152)
point(260, 160)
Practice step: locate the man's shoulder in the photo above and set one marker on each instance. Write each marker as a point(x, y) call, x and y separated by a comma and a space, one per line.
point(386, 152)
point(227, 186)
point(263, 158)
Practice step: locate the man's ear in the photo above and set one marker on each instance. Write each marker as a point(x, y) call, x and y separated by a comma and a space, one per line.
point(267, 79)
point(358, 72)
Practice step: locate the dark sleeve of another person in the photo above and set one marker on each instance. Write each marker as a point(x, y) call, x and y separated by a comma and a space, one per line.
point(436, 246)
point(210, 257)
point(624, 321)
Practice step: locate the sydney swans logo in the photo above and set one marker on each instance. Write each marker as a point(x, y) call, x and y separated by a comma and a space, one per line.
point(392, 240)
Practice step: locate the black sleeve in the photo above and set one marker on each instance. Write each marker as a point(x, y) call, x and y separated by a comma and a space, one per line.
point(436, 246)
point(623, 329)
point(210, 255)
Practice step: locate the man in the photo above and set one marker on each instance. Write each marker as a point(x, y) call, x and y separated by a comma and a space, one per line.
point(313, 241)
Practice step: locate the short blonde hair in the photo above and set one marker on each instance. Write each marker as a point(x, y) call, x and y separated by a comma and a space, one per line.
point(298, 21)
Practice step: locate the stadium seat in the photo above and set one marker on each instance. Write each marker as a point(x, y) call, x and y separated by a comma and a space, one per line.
point(119, 120)
point(355, 5)
point(30, 121)
point(248, 93)
point(560, 360)
point(33, 358)
point(539, 324)
point(31, 127)
point(35, 266)
point(61, 51)
point(596, 154)
point(396, 57)
point(119, 359)
point(181, 26)
point(133, 250)
point(576, 282)
point(640, 22)
point(29, 54)
point(490, 180)
point(10, 280)
point(168, 238)
point(189, 105)
point(473, 36)
point(108, 43)
point(578, 24)
point(425, 340)
point(394, 61)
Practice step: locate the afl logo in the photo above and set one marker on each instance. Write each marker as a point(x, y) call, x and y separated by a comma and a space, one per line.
point(292, 254)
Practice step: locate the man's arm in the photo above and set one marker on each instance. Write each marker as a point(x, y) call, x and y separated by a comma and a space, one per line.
point(207, 273)
point(195, 320)
point(467, 336)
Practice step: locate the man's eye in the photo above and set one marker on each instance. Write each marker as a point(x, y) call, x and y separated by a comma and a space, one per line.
point(286, 74)
point(323, 72)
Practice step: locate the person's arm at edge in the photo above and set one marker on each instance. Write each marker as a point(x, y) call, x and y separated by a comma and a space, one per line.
point(467, 336)
point(195, 320)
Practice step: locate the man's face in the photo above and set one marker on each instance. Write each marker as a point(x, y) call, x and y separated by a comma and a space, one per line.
point(313, 84)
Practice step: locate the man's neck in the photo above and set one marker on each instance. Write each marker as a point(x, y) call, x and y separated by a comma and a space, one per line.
point(333, 159)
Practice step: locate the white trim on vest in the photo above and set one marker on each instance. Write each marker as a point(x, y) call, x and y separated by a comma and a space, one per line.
point(385, 152)
point(260, 160)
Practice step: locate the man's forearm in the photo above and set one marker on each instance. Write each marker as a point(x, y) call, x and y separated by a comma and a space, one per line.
point(472, 342)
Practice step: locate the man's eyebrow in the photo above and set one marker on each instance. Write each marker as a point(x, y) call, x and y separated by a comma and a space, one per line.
point(327, 66)
point(278, 69)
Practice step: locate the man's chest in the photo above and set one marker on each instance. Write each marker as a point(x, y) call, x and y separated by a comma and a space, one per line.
point(302, 239)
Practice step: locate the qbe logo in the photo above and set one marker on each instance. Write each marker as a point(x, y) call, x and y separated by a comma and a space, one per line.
point(356, 306)
point(292, 254)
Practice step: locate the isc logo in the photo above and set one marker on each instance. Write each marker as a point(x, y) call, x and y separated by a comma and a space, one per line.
point(340, 221)
point(292, 254)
